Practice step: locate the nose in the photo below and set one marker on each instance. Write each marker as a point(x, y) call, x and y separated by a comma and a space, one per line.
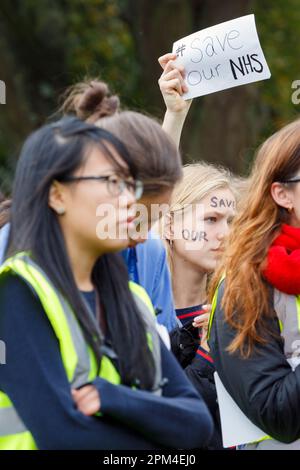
point(223, 232)
point(128, 197)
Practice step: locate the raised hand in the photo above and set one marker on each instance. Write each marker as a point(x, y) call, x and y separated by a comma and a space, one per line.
point(172, 85)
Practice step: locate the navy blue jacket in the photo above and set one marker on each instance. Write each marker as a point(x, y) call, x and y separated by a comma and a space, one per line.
point(148, 266)
point(36, 382)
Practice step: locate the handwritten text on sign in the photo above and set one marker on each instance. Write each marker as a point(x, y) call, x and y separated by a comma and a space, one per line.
point(223, 56)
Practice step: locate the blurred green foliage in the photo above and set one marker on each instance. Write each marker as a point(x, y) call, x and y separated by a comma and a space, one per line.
point(279, 27)
point(47, 45)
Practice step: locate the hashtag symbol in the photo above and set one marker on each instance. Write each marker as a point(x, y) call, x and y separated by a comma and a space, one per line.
point(180, 50)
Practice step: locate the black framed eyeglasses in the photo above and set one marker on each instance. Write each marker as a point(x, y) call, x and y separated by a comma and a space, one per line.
point(114, 183)
point(293, 180)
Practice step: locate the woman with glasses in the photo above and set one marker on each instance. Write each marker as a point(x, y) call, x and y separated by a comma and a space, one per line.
point(85, 366)
point(158, 167)
point(255, 327)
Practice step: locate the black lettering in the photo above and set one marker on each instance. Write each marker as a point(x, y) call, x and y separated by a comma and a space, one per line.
point(186, 234)
point(203, 236)
point(210, 47)
point(222, 203)
point(214, 201)
point(240, 68)
point(256, 60)
point(211, 74)
point(216, 69)
point(247, 62)
point(195, 79)
point(222, 45)
point(232, 35)
point(198, 49)
point(230, 203)
point(194, 236)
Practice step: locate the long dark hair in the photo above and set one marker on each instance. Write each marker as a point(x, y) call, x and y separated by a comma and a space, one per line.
point(52, 153)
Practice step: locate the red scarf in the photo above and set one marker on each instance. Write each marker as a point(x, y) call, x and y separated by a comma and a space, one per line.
point(283, 261)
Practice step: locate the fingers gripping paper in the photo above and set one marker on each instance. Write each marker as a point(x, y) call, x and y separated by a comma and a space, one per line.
point(223, 56)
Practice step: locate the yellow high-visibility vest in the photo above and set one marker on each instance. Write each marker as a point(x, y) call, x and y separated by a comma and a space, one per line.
point(78, 358)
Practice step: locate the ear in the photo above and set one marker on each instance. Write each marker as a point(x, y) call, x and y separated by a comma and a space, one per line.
point(168, 226)
point(281, 195)
point(57, 197)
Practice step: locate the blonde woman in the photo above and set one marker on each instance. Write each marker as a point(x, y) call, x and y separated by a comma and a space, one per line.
point(202, 208)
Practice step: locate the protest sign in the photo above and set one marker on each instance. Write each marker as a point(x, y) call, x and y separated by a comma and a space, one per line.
point(237, 429)
point(223, 56)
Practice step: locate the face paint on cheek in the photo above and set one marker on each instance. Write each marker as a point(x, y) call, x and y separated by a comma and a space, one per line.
point(194, 236)
point(221, 202)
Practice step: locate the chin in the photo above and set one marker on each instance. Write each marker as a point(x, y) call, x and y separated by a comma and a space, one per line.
point(210, 267)
point(116, 245)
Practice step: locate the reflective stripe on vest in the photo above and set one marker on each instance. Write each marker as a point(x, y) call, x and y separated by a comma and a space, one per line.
point(287, 308)
point(78, 358)
point(149, 317)
point(213, 307)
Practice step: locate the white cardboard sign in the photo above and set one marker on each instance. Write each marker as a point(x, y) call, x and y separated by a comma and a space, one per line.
point(237, 429)
point(223, 56)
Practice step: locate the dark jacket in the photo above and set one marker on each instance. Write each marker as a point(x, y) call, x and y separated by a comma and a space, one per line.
point(35, 380)
point(199, 369)
point(264, 386)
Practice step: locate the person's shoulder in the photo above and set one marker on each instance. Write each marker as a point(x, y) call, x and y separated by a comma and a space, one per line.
point(217, 313)
point(18, 304)
point(221, 288)
point(153, 246)
point(9, 282)
point(219, 292)
point(13, 288)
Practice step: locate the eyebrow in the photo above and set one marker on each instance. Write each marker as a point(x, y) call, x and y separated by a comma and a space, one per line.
point(214, 212)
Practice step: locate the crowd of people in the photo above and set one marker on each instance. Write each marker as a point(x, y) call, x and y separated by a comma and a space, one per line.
point(127, 280)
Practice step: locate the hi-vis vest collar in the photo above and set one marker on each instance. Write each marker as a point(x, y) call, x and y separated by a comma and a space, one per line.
point(287, 308)
point(78, 358)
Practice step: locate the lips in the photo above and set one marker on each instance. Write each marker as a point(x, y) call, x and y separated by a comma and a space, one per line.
point(128, 220)
point(218, 250)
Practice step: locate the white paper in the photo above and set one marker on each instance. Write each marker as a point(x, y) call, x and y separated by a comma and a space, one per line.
point(237, 429)
point(223, 56)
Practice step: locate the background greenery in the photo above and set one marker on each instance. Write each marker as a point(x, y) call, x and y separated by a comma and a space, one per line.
point(47, 45)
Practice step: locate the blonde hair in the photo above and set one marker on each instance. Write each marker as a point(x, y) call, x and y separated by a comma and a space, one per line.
point(199, 180)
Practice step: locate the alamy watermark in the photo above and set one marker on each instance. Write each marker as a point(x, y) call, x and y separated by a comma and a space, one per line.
point(187, 223)
point(2, 92)
point(2, 353)
point(296, 94)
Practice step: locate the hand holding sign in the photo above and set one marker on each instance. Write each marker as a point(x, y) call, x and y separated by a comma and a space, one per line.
point(172, 85)
point(221, 57)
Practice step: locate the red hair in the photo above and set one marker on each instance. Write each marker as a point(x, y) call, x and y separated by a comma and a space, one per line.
point(246, 297)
